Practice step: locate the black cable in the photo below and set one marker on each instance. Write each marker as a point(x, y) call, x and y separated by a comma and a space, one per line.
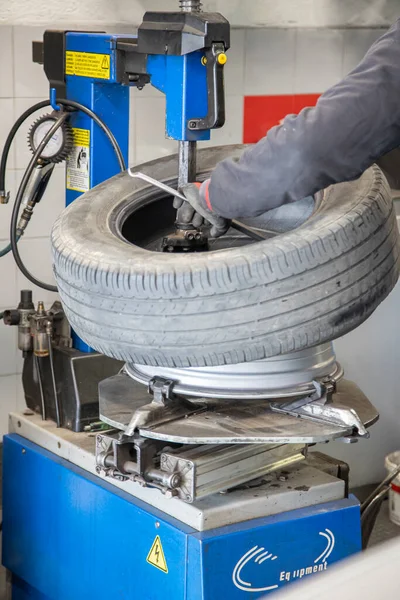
point(32, 164)
point(18, 201)
point(100, 123)
point(11, 136)
point(44, 104)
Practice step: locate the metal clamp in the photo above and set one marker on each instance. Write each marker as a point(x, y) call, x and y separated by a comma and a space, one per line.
point(165, 406)
point(318, 407)
point(161, 389)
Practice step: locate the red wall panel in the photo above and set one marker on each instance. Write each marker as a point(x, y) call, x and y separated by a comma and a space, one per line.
point(261, 113)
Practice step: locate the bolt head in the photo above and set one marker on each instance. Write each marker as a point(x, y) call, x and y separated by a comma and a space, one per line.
point(175, 480)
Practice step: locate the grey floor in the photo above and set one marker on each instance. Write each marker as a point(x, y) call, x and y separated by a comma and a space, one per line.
point(384, 529)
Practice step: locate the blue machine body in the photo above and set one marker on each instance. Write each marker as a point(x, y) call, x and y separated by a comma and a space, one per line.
point(108, 100)
point(68, 535)
point(183, 80)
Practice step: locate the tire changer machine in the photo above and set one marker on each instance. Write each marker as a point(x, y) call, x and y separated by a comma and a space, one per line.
point(151, 485)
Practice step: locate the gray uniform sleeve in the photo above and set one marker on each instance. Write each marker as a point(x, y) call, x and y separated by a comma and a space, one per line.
point(354, 123)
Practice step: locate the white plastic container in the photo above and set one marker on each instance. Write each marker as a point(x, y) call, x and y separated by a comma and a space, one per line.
point(392, 462)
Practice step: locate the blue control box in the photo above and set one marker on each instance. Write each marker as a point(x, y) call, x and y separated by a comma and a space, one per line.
point(68, 535)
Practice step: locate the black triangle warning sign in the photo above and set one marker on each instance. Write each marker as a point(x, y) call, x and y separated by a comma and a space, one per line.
point(156, 556)
point(105, 64)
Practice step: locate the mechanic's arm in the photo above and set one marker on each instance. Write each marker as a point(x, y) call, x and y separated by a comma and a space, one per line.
point(354, 123)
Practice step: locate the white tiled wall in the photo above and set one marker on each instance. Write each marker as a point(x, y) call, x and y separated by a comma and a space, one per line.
point(260, 62)
point(255, 13)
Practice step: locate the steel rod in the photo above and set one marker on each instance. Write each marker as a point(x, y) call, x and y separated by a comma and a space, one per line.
point(190, 5)
point(248, 231)
point(39, 376)
point(186, 163)
point(53, 378)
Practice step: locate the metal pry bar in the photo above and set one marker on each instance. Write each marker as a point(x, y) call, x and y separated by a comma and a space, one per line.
point(162, 186)
point(169, 190)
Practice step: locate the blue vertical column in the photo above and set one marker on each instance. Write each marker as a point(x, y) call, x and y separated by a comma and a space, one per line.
point(91, 81)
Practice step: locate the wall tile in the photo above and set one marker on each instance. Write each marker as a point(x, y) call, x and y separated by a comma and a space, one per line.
point(149, 123)
point(8, 347)
point(8, 278)
point(356, 44)
point(6, 62)
point(21, 404)
point(232, 132)
point(269, 61)
point(6, 209)
point(36, 255)
point(8, 400)
point(48, 209)
point(234, 68)
point(6, 121)
point(29, 78)
point(318, 60)
point(148, 91)
point(370, 356)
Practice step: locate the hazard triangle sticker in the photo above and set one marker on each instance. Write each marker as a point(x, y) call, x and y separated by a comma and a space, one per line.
point(156, 556)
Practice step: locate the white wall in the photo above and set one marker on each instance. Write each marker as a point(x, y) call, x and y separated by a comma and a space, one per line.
point(258, 61)
point(260, 13)
point(370, 356)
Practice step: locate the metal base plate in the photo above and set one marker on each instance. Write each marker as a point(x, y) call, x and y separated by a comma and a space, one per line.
point(231, 422)
point(299, 486)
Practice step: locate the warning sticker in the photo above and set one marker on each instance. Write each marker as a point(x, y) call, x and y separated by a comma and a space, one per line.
point(156, 556)
point(78, 162)
point(87, 64)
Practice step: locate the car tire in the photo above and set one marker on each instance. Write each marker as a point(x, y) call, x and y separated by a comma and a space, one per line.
point(301, 288)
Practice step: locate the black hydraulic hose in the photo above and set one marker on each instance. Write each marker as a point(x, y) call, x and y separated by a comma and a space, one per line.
point(6, 151)
point(100, 123)
point(7, 249)
point(44, 104)
point(10, 139)
point(18, 201)
point(14, 235)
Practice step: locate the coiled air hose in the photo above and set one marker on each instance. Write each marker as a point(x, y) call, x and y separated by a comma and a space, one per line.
point(14, 233)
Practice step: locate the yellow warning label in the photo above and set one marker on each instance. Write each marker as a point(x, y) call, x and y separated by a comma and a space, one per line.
point(87, 64)
point(78, 161)
point(156, 556)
